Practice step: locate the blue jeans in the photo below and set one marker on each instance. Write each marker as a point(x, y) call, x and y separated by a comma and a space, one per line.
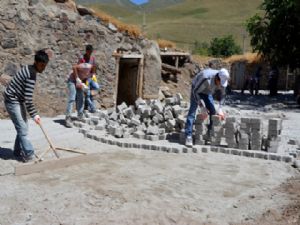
point(209, 104)
point(89, 101)
point(75, 94)
point(17, 113)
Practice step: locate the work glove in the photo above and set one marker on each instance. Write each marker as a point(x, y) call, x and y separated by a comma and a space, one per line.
point(37, 119)
point(78, 83)
point(94, 78)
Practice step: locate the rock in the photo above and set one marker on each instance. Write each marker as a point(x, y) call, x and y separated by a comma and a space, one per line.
point(8, 25)
point(112, 27)
point(84, 11)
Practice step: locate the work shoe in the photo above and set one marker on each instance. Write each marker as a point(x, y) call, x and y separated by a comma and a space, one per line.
point(25, 158)
point(189, 141)
point(80, 117)
point(68, 122)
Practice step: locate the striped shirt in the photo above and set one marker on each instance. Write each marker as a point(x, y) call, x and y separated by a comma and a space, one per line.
point(21, 87)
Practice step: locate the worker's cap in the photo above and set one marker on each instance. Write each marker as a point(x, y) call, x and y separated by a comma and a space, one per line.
point(224, 77)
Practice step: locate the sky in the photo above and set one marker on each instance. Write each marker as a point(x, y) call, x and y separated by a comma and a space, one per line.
point(139, 2)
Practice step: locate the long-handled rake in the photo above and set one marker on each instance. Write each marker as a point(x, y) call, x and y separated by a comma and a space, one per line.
point(54, 149)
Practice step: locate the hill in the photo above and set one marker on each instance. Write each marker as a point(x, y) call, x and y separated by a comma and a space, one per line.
point(186, 21)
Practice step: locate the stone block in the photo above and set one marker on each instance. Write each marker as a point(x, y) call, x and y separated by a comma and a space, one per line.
point(170, 101)
point(162, 137)
point(275, 157)
point(170, 124)
point(113, 116)
point(214, 149)
point(225, 151)
point(134, 122)
point(158, 106)
point(118, 132)
point(152, 130)
point(168, 115)
point(204, 149)
point(248, 153)
point(152, 137)
point(236, 152)
point(261, 155)
point(176, 150)
point(139, 102)
point(177, 110)
point(121, 107)
point(139, 134)
point(287, 159)
point(187, 150)
point(128, 113)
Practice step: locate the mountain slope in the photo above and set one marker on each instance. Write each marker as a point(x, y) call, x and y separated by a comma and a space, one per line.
point(185, 21)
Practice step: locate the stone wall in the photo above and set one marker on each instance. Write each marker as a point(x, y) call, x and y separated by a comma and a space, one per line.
point(29, 25)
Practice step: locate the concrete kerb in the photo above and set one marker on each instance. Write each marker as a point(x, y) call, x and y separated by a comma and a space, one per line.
point(196, 149)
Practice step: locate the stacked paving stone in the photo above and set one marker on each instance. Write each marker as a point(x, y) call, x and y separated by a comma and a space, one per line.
point(217, 131)
point(274, 131)
point(244, 133)
point(250, 134)
point(256, 134)
point(150, 120)
point(200, 130)
point(231, 129)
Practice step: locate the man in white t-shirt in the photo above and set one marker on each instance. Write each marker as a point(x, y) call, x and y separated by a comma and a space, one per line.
point(204, 85)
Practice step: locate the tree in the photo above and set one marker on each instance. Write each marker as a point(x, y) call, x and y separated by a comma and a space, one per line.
point(276, 33)
point(224, 47)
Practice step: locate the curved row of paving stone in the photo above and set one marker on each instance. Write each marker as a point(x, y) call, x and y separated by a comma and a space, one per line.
point(182, 149)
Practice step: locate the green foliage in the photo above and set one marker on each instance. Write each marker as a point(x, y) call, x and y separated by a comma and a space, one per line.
point(201, 48)
point(224, 47)
point(276, 34)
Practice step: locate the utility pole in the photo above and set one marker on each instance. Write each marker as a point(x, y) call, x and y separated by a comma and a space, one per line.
point(244, 38)
point(144, 25)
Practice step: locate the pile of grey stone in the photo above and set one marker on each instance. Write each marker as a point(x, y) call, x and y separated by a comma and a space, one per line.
point(243, 133)
point(147, 119)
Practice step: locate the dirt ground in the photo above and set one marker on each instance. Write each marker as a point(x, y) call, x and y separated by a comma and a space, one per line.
point(149, 187)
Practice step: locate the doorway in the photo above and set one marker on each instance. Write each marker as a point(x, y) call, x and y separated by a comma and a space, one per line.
point(128, 80)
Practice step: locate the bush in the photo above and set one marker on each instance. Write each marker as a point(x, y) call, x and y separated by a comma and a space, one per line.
point(224, 47)
point(201, 48)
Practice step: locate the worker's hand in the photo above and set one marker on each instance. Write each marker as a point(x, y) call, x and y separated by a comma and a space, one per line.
point(37, 119)
point(221, 115)
point(78, 81)
point(84, 87)
point(94, 78)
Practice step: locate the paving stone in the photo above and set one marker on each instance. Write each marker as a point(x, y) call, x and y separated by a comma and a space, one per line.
point(236, 152)
point(139, 102)
point(273, 156)
point(214, 149)
point(139, 135)
point(225, 150)
point(261, 155)
point(287, 159)
point(175, 150)
point(134, 122)
point(170, 101)
point(248, 153)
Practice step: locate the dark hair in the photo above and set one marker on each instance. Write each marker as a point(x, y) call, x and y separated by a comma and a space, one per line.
point(41, 56)
point(89, 48)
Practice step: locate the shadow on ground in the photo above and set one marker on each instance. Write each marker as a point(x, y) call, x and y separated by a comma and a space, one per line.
point(262, 102)
point(6, 154)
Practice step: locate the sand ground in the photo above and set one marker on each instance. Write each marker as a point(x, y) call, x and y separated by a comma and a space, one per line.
point(147, 187)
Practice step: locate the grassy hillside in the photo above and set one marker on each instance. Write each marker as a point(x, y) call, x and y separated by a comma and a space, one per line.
point(184, 22)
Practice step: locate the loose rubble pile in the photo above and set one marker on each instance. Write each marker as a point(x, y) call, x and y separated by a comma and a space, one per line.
point(150, 120)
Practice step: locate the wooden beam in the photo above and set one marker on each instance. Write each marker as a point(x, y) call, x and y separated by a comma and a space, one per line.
point(150, 97)
point(174, 54)
point(141, 77)
point(172, 69)
point(30, 168)
point(177, 62)
point(117, 81)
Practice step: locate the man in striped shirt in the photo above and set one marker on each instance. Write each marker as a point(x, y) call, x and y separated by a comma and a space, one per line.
point(18, 97)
